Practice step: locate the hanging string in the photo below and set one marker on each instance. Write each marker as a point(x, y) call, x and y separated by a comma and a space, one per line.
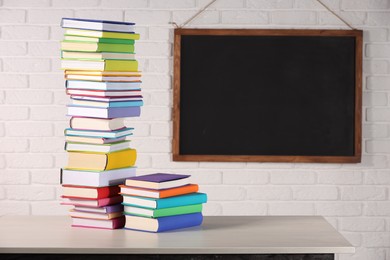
point(195, 15)
point(213, 1)
point(335, 14)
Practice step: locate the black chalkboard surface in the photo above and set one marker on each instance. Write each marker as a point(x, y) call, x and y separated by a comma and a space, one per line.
point(267, 95)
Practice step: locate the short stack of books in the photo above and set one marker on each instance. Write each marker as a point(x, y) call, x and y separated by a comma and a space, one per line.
point(161, 202)
point(103, 82)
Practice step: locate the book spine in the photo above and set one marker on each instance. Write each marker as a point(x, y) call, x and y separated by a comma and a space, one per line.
point(114, 208)
point(184, 200)
point(188, 209)
point(61, 172)
point(180, 221)
point(114, 112)
point(106, 192)
point(118, 222)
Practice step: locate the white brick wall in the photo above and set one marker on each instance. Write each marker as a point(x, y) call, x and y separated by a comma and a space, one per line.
point(355, 198)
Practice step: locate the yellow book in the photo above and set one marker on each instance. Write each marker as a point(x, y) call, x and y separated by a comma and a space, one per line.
point(100, 65)
point(101, 34)
point(101, 161)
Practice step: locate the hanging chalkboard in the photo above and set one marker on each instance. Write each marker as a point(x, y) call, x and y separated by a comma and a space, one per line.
point(267, 95)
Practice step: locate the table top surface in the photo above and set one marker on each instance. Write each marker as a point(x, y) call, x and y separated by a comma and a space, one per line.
point(217, 235)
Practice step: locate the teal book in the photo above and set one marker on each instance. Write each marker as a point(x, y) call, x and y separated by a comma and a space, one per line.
point(177, 201)
point(157, 213)
point(97, 133)
point(88, 103)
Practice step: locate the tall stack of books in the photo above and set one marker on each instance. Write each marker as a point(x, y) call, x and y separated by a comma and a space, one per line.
point(161, 202)
point(103, 82)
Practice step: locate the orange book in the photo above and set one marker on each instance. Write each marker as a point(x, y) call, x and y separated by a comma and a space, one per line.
point(158, 194)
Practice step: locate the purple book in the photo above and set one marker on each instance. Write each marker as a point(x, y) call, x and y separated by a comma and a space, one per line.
point(158, 181)
point(105, 209)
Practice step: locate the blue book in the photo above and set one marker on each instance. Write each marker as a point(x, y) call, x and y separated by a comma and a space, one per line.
point(177, 201)
point(98, 25)
point(102, 134)
point(164, 223)
point(103, 112)
point(88, 103)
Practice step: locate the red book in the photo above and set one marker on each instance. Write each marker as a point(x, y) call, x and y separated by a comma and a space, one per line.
point(92, 202)
point(71, 191)
point(98, 223)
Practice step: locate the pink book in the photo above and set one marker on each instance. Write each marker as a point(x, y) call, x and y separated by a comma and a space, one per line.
point(114, 223)
point(91, 202)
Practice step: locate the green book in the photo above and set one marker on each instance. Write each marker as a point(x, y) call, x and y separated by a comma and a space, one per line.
point(156, 213)
point(92, 39)
point(96, 47)
point(100, 65)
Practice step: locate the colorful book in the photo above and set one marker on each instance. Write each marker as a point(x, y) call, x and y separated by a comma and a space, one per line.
point(102, 34)
point(176, 201)
point(101, 25)
point(105, 209)
point(93, 140)
point(88, 103)
point(103, 134)
point(96, 47)
point(72, 191)
point(100, 65)
point(98, 223)
point(83, 202)
point(98, 112)
point(107, 99)
point(101, 161)
point(96, 178)
point(105, 85)
point(92, 215)
point(164, 223)
point(73, 38)
point(158, 181)
point(157, 213)
point(166, 193)
point(103, 78)
point(104, 93)
point(103, 73)
point(78, 55)
point(99, 124)
point(97, 148)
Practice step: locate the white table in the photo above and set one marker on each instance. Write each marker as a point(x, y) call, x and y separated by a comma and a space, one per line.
point(218, 235)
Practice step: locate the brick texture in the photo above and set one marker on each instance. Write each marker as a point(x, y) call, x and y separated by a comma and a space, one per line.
point(353, 197)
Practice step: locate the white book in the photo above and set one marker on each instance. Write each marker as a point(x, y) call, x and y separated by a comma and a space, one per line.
point(101, 93)
point(98, 223)
point(99, 25)
point(100, 124)
point(102, 78)
point(79, 84)
point(92, 215)
point(103, 73)
point(104, 134)
point(98, 112)
point(88, 65)
point(107, 99)
point(93, 140)
point(103, 148)
point(96, 178)
point(97, 55)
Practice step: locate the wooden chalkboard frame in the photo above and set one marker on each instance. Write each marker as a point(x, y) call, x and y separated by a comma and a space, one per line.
point(355, 158)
